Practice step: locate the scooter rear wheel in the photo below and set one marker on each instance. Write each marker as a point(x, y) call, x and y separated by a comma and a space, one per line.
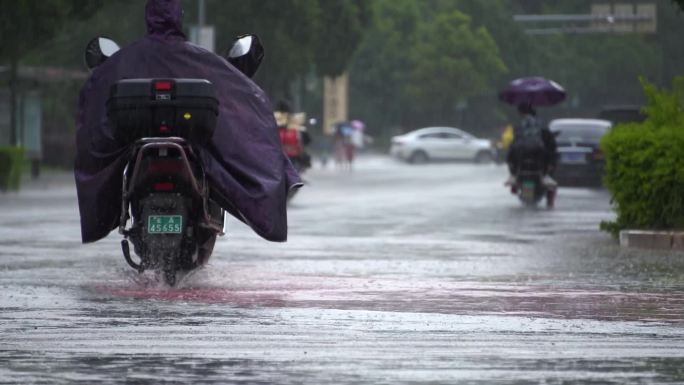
point(550, 199)
point(169, 269)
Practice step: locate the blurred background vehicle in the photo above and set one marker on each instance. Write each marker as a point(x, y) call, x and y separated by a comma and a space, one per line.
point(504, 144)
point(441, 143)
point(622, 114)
point(580, 161)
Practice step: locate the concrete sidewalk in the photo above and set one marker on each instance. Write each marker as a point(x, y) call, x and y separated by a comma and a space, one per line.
point(653, 240)
point(47, 179)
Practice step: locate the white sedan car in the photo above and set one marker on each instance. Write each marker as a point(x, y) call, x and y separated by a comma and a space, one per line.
point(441, 143)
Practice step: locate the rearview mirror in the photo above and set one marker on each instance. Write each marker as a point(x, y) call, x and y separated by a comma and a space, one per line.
point(99, 50)
point(246, 54)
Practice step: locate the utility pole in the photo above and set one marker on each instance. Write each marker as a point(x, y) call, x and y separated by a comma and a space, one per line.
point(202, 34)
point(201, 13)
point(13, 86)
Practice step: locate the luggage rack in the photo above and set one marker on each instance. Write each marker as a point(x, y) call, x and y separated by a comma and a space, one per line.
point(201, 191)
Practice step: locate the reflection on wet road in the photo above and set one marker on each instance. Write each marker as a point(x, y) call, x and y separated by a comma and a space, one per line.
point(393, 274)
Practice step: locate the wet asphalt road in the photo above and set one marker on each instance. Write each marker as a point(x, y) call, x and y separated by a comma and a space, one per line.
point(393, 274)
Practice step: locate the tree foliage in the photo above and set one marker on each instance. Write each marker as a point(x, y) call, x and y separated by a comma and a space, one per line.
point(643, 164)
point(420, 62)
point(411, 62)
point(339, 31)
point(381, 69)
point(596, 69)
point(300, 36)
point(462, 63)
point(24, 24)
point(285, 28)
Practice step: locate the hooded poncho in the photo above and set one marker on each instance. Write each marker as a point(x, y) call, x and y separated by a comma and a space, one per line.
point(244, 161)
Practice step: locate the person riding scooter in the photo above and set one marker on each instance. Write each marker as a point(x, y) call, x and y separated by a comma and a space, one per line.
point(532, 140)
point(247, 172)
point(293, 135)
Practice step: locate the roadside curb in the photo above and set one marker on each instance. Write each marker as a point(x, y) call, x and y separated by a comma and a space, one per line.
point(654, 240)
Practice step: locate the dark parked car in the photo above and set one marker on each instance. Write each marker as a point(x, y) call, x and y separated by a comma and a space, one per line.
point(580, 161)
point(622, 114)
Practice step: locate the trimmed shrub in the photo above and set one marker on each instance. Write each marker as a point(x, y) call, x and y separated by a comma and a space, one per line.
point(11, 162)
point(645, 164)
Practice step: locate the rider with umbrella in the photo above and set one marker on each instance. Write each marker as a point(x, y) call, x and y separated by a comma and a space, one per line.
point(531, 138)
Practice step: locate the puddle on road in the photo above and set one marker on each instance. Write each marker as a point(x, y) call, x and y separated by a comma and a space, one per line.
point(534, 297)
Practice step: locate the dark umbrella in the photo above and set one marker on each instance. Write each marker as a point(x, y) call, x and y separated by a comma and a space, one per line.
point(534, 91)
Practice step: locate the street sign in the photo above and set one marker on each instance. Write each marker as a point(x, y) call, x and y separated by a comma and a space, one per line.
point(335, 102)
point(649, 14)
point(622, 14)
point(619, 18)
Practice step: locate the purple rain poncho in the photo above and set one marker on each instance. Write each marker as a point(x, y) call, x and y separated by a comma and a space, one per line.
point(244, 161)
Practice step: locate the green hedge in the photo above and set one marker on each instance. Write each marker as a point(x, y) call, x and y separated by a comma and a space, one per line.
point(11, 162)
point(645, 164)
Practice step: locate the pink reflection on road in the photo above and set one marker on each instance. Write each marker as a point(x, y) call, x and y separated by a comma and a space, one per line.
point(537, 300)
point(199, 295)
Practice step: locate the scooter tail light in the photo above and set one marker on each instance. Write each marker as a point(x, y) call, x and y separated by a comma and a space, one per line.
point(164, 186)
point(163, 86)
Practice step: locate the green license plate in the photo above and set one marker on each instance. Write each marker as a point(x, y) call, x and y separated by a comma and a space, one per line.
point(164, 224)
point(528, 190)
